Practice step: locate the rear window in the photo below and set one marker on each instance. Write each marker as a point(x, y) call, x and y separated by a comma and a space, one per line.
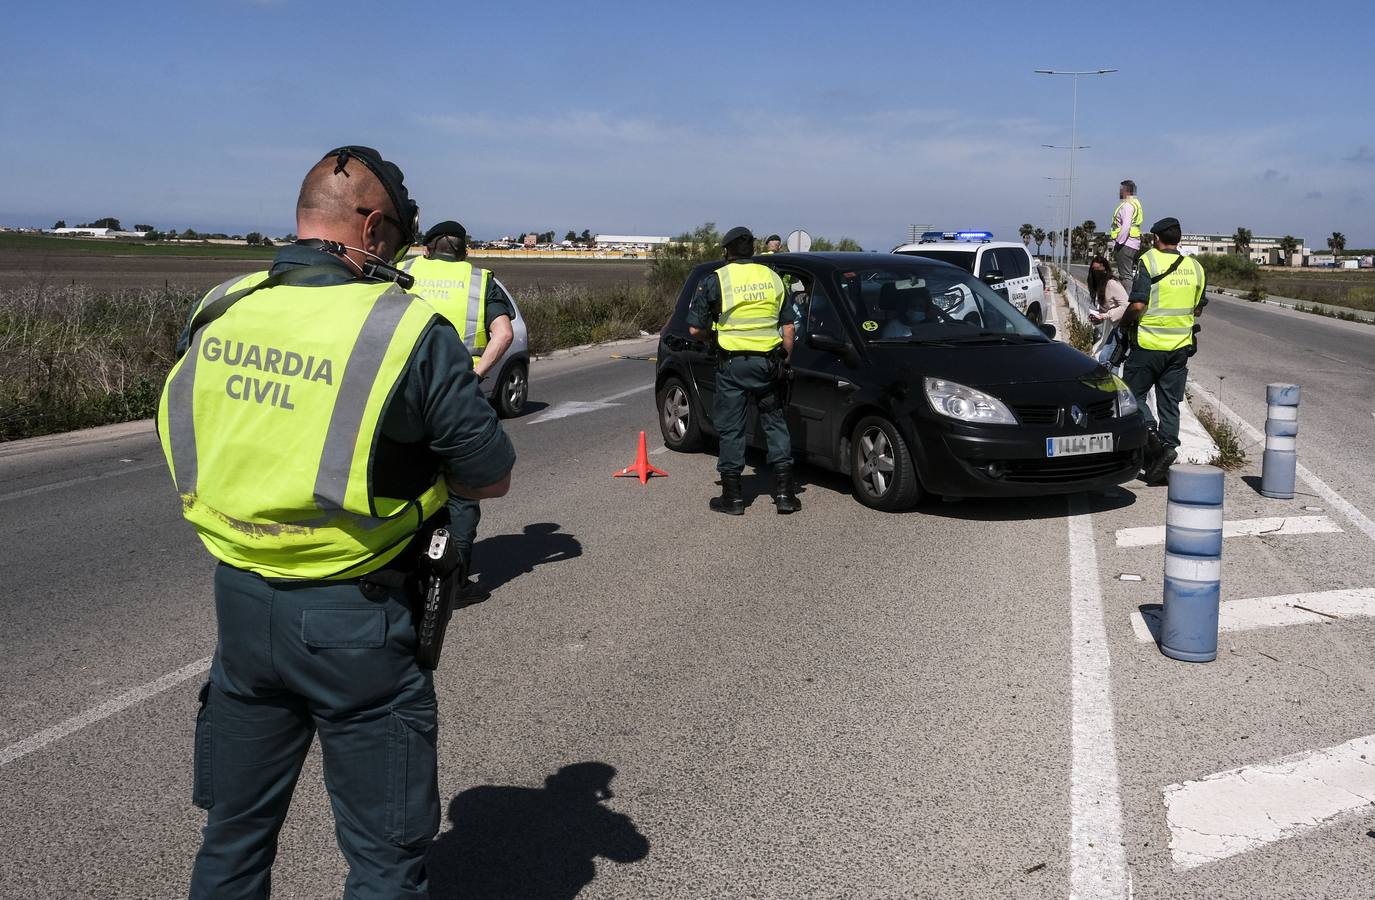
point(677, 323)
point(962, 258)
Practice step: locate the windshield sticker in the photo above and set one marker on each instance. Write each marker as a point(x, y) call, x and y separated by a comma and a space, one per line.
point(870, 325)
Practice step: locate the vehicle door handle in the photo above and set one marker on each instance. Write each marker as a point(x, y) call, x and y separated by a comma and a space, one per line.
point(844, 385)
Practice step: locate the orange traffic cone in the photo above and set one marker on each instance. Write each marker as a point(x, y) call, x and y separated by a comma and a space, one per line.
point(641, 466)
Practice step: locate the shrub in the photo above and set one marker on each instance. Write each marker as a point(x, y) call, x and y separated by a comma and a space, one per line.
point(1230, 454)
point(1229, 269)
point(1082, 335)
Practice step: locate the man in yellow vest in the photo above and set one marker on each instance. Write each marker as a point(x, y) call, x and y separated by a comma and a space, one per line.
point(1126, 231)
point(470, 299)
point(745, 305)
point(318, 417)
point(1166, 299)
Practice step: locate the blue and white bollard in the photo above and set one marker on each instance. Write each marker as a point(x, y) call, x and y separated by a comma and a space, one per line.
point(1281, 441)
point(1193, 563)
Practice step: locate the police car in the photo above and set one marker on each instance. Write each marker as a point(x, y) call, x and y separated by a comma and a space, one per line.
point(1005, 266)
point(507, 385)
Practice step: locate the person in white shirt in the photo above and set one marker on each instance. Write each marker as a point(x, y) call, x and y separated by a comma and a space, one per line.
point(1109, 296)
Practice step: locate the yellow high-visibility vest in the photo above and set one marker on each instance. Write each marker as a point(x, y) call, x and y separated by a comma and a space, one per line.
point(1168, 322)
point(458, 292)
point(270, 424)
point(751, 299)
point(1136, 219)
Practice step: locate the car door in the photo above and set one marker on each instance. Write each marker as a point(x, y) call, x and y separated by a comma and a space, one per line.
point(698, 357)
point(822, 381)
point(1015, 267)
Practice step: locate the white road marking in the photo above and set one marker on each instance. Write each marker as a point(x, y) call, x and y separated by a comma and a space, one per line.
point(1098, 862)
point(1243, 809)
point(1334, 500)
point(1150, 535)
point(103, 711)
point(1317, 608)
point(657, 450)
point(84, 479)
point(578, 407)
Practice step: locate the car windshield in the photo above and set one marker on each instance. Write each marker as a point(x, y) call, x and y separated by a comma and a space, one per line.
point(962, 258)
point(931, 304)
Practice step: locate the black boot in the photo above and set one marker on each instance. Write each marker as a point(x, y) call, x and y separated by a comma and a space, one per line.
point(1159, 472)
point(1153, 452)
point(730, 502)
point(784, 490)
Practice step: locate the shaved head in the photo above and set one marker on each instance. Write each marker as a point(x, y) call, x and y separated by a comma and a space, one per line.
point(330, 197)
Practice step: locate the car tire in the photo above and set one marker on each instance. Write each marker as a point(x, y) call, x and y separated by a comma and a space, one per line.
point(512, 391)
point(881, 468)
point(679, 421)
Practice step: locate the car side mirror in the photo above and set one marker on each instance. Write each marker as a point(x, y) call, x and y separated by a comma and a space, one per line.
point(827, 344)
point(992, 279)
point(1047, 329)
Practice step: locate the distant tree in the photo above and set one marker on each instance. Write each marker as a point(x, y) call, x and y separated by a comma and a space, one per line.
point(253, 239)
point(190, 234)
point(236, 237)
point(586, 237)
point(822, 245)
point(1241, 241)
point(571, 236)
point(849, 245)
point(1026, 231)
point(1052, 238)
point(60, 223)
point(1147, 241)
point(546, 237)
point(151, 235)
point(1078, 242)
point(109, 222)
point(290, 237)
point(1039, 236)
point(1289, 245)
point(267, 242)
point(143, 227)
point(1337, 242)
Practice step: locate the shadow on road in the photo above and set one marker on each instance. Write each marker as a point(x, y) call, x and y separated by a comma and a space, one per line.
point(502, 557)
point(1013, 509)
point(531, 407)
point(519, 843)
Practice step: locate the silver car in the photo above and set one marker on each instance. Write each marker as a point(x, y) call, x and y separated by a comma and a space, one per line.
point(507, 385)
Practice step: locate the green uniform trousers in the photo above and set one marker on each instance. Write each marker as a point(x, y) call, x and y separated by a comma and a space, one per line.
point(1168, 372)
point(293, 661)
point(741, 380)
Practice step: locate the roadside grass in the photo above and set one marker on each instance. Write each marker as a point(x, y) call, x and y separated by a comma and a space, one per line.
point(72, 357)
point(1337, 287)
point(1230, 453)
point(33, 243)
point(1082, 335)
point(1334, 314)
point(565, 315)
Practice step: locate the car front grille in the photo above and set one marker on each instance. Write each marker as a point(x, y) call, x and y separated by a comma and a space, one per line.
point(1066, 470)
point(1103, 409)
point(1037, 415)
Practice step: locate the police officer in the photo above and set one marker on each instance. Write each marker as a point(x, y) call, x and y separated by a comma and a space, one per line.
point(1166, 298)
point(772, 244)
point(744, 303)
point(1126, 230)
point(469, 298)
point(319, 415)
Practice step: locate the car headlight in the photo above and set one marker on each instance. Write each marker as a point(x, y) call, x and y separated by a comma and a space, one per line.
point(1126, 400)
point(966, 404)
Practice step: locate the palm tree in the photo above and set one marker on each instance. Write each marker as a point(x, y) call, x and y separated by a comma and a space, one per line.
point(1241, 241)
point(1039, 236)
point(1100, 243)
point(1336, 243)
point(1051, 237)
point(1288, 244)
point(1026, 232)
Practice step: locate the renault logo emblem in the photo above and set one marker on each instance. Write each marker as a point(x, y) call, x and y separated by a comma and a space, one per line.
point(1080, 417)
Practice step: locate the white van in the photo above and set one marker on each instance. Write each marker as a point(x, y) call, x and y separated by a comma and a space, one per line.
point(1005, 266)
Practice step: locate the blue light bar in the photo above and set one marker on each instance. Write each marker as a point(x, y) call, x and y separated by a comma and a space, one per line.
point(973, 235)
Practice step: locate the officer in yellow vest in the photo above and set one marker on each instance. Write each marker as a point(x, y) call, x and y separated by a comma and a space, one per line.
point(772, 244)
point(318, 417)
point(1166, 299)
point(745, 304)
point(469, 298)
point(1126, 231)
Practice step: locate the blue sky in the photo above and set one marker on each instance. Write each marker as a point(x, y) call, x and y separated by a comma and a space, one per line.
point(842, 118)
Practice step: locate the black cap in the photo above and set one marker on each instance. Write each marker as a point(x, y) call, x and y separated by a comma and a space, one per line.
point(735, 234)
point(773, 237)
point(447, 228)
point(1163, 224)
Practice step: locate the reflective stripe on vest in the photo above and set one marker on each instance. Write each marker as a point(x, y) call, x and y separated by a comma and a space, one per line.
point(1135, 228)
point(270, 424)
point(1168, 322)
point(751, 299)
point(451, 288)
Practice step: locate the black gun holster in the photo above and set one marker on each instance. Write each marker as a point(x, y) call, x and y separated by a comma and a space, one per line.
point(431, 590)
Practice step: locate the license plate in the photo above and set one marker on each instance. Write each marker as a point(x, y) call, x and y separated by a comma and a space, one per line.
point(1079, 444)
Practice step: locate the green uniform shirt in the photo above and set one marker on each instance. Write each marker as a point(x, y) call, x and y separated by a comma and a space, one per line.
point(437, 418)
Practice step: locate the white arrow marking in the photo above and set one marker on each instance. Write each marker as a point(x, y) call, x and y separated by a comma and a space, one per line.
point(1278, 525)
point(1320, 608)
point(578, 407)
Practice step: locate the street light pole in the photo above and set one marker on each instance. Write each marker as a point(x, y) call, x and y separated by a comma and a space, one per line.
point(1069, 224)
point(1074, 139)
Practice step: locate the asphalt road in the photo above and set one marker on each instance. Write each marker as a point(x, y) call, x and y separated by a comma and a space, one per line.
point(839, 703)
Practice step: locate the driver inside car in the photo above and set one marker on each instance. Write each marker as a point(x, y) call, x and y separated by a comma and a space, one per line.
point(918, 310)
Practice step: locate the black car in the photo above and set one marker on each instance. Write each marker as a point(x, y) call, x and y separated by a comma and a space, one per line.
point(913, 377)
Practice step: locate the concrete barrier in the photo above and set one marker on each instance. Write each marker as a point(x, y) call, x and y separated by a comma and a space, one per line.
point(1193, 563)
point(1281, 456)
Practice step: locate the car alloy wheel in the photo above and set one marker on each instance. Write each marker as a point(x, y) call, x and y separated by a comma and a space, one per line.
point(512, 392)
point(677, 418)
point(876, 466)
point(881, 467)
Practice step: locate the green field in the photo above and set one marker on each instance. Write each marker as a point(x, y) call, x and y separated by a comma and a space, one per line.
point(36, 243)
point(1339, 287)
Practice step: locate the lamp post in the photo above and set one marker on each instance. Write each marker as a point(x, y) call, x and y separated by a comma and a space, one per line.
point(1074, 139)
point(1060, 209)
point(1069, 182)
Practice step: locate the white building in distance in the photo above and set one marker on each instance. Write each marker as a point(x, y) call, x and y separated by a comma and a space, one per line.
point(99, 232)
point(1264, 249)
point(631, 241)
